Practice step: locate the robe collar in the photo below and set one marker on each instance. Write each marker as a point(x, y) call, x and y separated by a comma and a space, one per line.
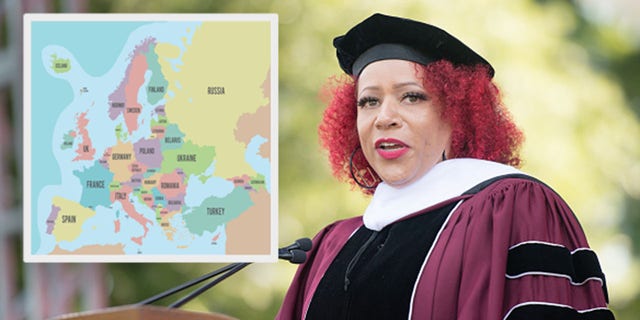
point(446, 180)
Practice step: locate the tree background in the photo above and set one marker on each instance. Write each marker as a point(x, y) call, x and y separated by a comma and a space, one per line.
point(569, 72)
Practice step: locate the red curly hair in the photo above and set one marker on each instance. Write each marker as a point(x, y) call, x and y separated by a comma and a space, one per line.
point(482, 127)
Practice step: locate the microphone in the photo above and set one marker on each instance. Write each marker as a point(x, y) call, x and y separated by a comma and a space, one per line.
point(303, 244)
point(295, 256)
point(295, 253)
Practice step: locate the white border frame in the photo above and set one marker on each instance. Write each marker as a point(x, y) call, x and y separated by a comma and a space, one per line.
point(274, 140)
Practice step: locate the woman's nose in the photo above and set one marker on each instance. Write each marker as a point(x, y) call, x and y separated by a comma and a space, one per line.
point(388, 116)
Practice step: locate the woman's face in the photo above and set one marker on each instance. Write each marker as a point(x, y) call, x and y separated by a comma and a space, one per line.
point(401, 132)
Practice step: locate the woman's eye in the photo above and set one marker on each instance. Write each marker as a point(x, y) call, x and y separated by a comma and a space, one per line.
point(414, 97)
point(367, 102)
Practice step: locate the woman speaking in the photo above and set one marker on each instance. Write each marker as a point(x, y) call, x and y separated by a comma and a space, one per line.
point(453, 229)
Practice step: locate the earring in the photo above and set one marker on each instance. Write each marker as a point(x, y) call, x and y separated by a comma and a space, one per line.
point(443, 156)
point(361, 175)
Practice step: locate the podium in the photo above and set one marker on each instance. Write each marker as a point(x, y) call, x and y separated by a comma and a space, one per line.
point(295, 253)
point(140, 312)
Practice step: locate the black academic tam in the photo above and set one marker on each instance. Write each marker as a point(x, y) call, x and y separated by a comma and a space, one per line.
point(381, 37)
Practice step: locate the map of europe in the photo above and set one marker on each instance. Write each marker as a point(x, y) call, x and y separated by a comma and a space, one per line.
point(150, 139)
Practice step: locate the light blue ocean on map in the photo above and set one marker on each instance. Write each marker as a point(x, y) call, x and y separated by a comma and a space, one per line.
point(198, 191)
point(99, 230)
point(97, 45)
point(80, 91)
point(101, 227)
point(258, 163)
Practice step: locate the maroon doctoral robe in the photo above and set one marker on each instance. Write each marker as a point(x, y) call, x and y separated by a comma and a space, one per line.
point(511, 248)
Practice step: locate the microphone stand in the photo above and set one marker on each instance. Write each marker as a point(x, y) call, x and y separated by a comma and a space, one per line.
point(185, 285)
point(294, 253)
point(235, 268)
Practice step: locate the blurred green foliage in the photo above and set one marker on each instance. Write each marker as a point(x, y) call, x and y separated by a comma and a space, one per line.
point(572, 85)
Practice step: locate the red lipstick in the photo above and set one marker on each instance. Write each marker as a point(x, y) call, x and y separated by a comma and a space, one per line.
point(389, 148)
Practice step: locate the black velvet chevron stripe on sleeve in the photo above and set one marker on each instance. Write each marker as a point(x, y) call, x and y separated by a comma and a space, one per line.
point(546, 311)
point(542, 258)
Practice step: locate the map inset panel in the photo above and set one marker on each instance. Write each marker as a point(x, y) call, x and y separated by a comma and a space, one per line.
point(150, 138)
